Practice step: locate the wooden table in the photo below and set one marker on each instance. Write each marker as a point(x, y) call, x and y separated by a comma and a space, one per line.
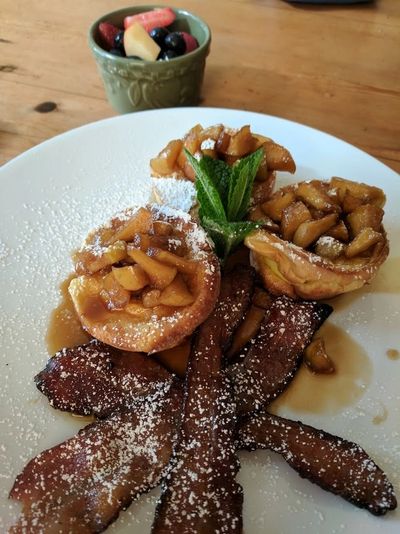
point(337, 69)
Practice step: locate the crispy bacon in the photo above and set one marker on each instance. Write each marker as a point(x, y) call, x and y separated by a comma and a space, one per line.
point(96, 379)
point(200, 493)
point(237, 288)
point(81, 485)
point(276, 353)
point(335, 464)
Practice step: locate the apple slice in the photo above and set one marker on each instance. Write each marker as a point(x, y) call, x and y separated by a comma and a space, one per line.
point(160, 275)
point(156, 18)
point(176, 294)
point(137, 42)
point(140, 222)
point(115, 296)
point(169, 258)
point(131, 277)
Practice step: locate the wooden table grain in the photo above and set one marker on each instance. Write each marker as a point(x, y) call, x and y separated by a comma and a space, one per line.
point(334, 68)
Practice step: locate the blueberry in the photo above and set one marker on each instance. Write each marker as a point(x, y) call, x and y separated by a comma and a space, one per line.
point(167, 55)
point(158, 35)
point(117, 52)
point(174, 41)
point(119, 40)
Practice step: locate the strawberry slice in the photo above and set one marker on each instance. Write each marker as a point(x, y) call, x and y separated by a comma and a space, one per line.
point(108, 32)
point(157, 18)
point(190, 41)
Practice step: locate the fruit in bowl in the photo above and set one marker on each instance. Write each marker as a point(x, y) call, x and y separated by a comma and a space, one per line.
point(147, 36)
point(146, 61)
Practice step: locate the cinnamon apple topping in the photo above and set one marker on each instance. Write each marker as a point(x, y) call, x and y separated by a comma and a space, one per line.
point(327, 238)
point(145, 280)
point(229, 145)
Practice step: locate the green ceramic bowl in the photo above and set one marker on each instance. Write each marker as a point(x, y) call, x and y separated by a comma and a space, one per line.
point(134, 85)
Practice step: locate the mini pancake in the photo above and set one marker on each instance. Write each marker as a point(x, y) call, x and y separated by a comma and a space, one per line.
point(145, 280)
point(329, 239)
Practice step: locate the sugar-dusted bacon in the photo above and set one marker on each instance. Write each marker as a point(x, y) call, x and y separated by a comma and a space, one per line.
point(275, 354)
point(200, 493)
point(96, 379)
point(81, 485)
point(237, 288)
point(335, 464)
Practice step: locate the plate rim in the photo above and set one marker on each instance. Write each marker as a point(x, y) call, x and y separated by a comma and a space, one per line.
point(76, 130)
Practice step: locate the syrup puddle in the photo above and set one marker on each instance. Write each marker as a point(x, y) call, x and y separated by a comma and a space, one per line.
point(393, 354)
point(381, 417)
point(64, 328)
point(317, 393)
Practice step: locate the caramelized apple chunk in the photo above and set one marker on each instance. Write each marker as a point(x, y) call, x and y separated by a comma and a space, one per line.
point(330, 238)
point(160, 275)
point(131, 277)
point(362, 242)
point(115, 296)
point(317, 359)
point(165, 162)
point(176, 293)
point(141, 296)
point(309, 231)
point(274, 207)
point(365, 216)
point(91, 261)
point(168, 258)
point(292, 217)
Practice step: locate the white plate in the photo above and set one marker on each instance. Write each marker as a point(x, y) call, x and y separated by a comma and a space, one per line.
point(53, 194)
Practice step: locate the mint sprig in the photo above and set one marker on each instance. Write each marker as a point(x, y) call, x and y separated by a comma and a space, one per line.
point(223, 194)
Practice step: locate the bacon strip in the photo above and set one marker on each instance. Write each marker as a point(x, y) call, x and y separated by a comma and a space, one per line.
point(96, 379)
point(275, 355)
point(82, 484)
point(336, 465)
point(200, 493)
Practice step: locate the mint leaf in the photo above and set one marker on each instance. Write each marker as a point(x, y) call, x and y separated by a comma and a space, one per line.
point(238, 191)
point(220, 173)
point(227, 235)
point(223, 194)
point(207, 193)
point(205, 207)
point(241, 185)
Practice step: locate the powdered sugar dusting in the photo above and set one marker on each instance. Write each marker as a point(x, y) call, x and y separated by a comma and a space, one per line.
point(178, 194)
point(108, 463)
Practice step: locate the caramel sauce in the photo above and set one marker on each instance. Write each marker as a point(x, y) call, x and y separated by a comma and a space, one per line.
point(64, 328)
point(393, 354)
point(381, 418)
point(95, 309)
point(318, 393)
point(175, 359)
